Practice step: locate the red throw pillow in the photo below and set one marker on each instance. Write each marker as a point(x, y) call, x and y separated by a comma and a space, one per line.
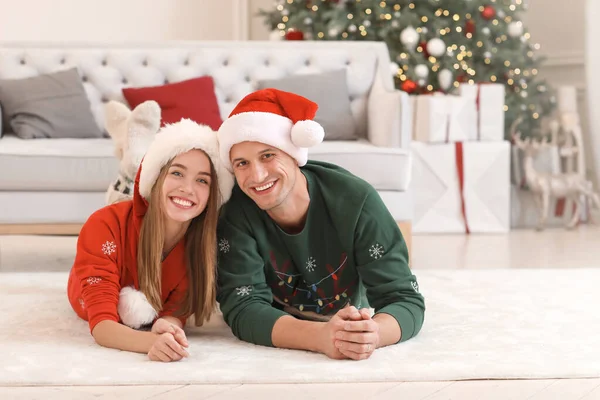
point(193, 98)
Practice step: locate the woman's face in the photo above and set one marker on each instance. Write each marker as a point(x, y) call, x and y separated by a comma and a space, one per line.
point(186, 186)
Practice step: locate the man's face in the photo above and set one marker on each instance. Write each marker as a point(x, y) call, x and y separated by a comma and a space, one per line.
point(265, 173)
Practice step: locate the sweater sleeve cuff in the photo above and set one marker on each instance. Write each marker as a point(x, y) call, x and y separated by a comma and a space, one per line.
point(404, 317)
point(262, 325)
point(97, 314)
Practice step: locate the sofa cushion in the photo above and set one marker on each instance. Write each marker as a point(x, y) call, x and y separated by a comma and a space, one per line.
point(385, 168)
point(193, 98)
point(56, 164)
point(330, 91)
point(48, 106)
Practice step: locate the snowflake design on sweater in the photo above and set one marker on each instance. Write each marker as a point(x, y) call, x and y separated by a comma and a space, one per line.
point(415, 286)
point(376, 251)
point(81, 303)
point(93, 280)
point(243, 290)
point(109, 247)
point(224, 245)
point(311, 264)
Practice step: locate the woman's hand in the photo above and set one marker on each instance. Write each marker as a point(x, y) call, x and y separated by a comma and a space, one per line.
point(163, 326)
point(166, 349)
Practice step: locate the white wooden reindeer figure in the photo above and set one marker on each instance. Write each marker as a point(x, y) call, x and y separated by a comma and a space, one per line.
point(545, 186)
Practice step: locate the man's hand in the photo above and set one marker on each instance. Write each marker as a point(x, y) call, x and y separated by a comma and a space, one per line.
point(166, 349)
point(358, 339)
point(163, 326)
point(331, 329)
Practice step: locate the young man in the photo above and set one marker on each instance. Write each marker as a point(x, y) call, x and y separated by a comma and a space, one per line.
point(306, 247)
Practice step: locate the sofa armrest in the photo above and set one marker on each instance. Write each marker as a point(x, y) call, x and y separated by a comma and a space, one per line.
point(390, 118)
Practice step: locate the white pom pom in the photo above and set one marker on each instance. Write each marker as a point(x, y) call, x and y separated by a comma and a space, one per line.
point(307, 133)
point(134, 309)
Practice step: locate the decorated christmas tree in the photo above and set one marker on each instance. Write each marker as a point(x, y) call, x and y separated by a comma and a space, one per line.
point(434, 44)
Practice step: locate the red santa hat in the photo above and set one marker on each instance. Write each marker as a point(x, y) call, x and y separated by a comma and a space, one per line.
point(274, 117)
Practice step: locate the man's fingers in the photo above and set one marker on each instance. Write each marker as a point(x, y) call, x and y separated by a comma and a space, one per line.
point(349, 313)
point(365, 313)
point(355, 356)
point(356, 337)
point(355, 347)
point(361, 326)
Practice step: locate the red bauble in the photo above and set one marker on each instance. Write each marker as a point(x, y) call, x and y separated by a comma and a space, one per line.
point(470, 26)
point(488, 12)
point(424, 47)
point(294, 35)
point(409, 86)
point(461, 78)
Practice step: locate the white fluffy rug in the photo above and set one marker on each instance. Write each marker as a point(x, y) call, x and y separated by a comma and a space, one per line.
point(479, 324)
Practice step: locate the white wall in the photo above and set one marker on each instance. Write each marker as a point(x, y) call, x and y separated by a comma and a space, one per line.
point(118, 20)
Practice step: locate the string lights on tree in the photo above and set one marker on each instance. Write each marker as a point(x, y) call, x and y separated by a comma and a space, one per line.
point(434, 45)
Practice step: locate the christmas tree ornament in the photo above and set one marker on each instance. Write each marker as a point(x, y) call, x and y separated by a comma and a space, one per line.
point(409, 37)
point(485, 30)
point(275, 35)
point(436, 47)
point(422, 71)
point(333, 32)
point(424, 30)
point(487, 54)
point(422, 82)
point(395, 24)
point(409, 86)
point(367, 23)
point(352, 28)
point(470, 26)
point(515, 29)
point(501, 14)
point(445, 79)
point(308, 20)
point(294, 35)
point(285, 12)
point(488, 12)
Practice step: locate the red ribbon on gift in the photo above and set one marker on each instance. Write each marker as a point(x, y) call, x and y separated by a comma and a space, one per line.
point(460, 169)
point(477, 101)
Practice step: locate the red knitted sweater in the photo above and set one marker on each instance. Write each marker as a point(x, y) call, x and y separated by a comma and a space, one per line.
point(106, 261)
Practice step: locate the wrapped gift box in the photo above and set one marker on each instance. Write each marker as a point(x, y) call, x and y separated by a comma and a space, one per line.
point(483, 168)
point(489, 101)
point(442, 118)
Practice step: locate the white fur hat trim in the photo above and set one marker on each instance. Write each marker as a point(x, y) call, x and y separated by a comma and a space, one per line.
point(134, 309)
point(178, 138)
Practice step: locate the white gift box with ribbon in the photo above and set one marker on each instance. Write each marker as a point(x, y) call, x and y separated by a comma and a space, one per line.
point(489, 102)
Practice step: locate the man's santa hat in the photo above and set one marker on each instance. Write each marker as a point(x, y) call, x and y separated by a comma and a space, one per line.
point(274, 117)
point(173, 139)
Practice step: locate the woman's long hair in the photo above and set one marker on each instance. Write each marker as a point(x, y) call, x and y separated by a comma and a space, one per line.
point(200, 248)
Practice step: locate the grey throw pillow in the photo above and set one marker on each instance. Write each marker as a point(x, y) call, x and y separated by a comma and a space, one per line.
point(330, 91)
point(48, 106)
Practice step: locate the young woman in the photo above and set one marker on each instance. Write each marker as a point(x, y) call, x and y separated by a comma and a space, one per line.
point(151, 262)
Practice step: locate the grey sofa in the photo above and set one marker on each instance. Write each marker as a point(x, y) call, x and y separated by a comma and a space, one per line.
point(46, 184)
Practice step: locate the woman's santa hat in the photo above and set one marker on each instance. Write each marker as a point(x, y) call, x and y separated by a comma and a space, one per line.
point(173, 139)
point(273, 117)
point(178, 138)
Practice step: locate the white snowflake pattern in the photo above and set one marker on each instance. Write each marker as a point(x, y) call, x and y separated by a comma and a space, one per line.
point(243, 290)
point(109, 247)
point(415, 286)
point(376, 251)
point(224, 245)
point(93, 280)
point(81, 303)
point(311, 264)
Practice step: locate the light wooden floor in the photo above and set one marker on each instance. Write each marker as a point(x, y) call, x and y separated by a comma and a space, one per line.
point(553, 248)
